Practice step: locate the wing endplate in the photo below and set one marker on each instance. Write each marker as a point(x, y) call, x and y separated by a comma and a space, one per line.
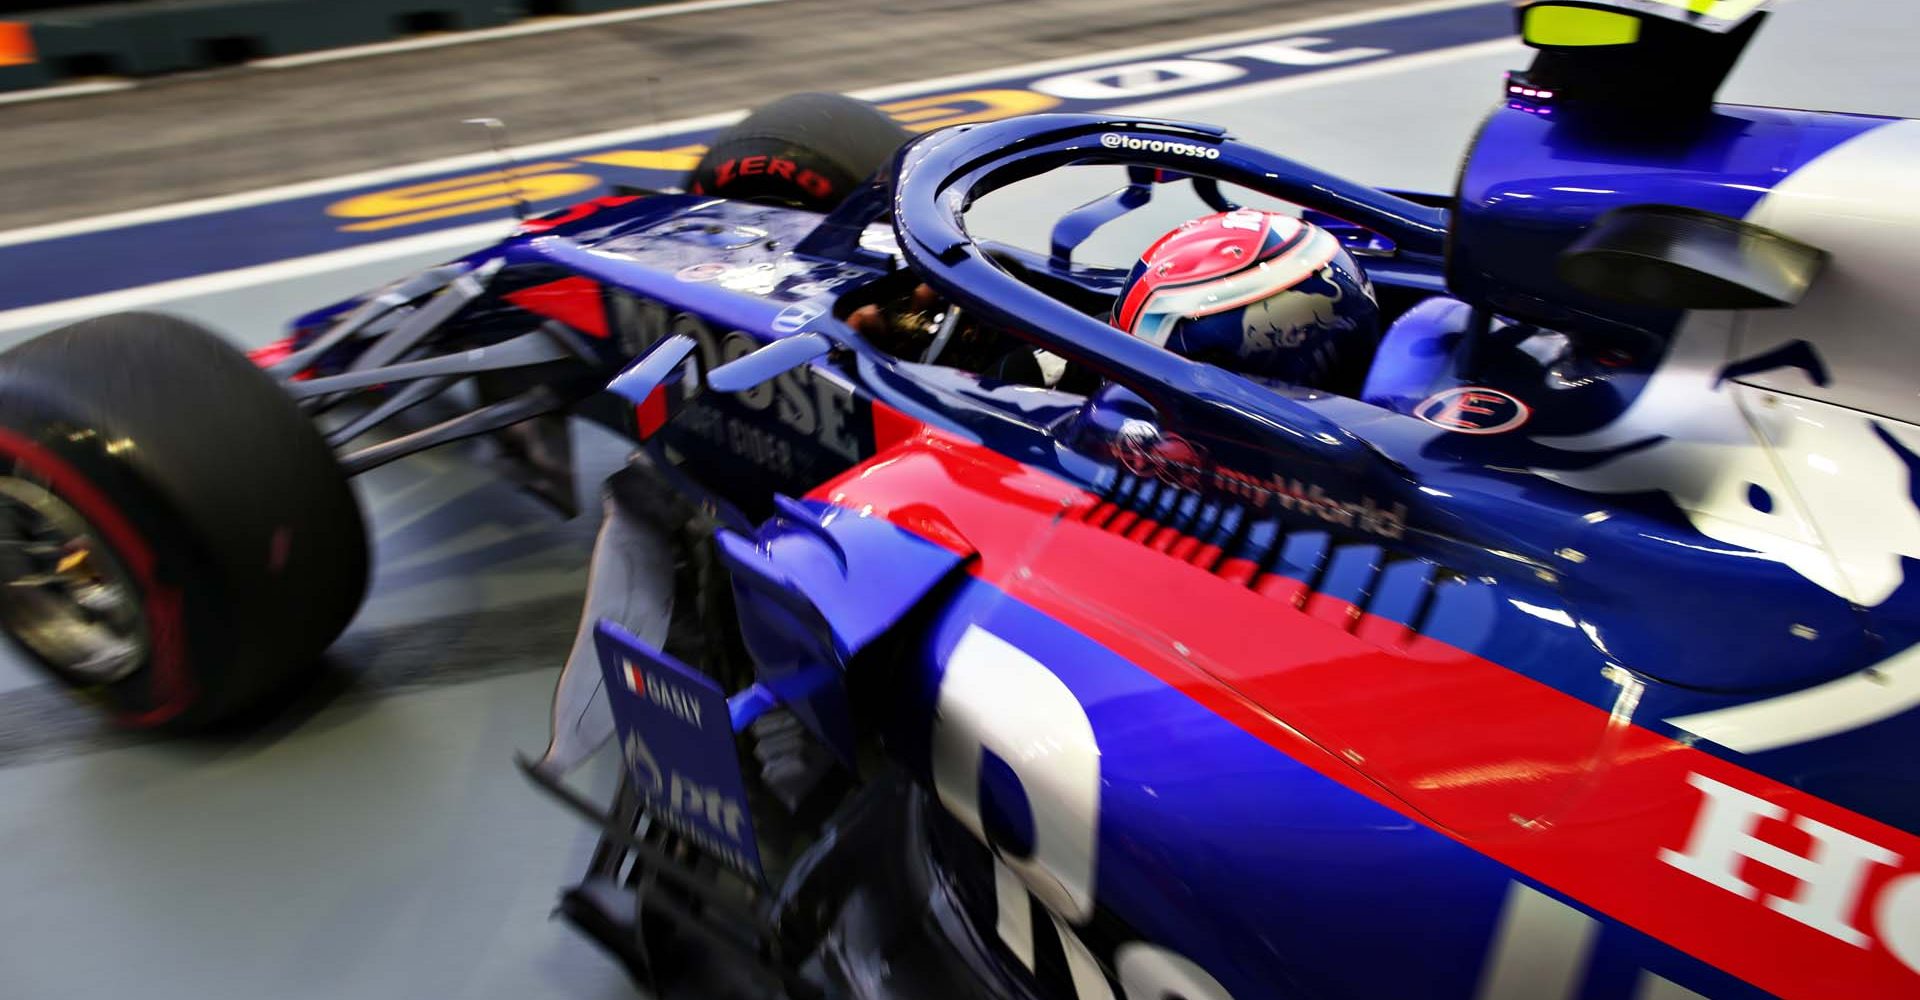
point(815, 585)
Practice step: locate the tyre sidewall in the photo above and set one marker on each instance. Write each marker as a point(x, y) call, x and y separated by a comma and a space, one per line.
point(181, 593)
point(804, 150)
point(254, 533)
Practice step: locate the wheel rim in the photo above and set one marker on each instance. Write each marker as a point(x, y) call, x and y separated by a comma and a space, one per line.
point(63, 593)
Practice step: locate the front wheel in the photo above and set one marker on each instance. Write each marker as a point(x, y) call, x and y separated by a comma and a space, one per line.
point(176, 539)
point(804, 150)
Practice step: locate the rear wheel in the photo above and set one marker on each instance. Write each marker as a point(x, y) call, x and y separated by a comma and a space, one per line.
point(176, 539)
point(805, 150)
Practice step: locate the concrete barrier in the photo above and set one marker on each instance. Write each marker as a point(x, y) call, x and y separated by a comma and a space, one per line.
point(149, 37)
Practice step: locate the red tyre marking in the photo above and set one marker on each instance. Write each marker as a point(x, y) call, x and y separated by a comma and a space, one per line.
point(804, 178)
point(172, 687)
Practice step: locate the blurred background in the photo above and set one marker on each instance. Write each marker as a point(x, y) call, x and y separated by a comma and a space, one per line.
point(239, 162)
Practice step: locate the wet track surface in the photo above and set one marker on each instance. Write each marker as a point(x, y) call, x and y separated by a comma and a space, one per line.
point(375, 841)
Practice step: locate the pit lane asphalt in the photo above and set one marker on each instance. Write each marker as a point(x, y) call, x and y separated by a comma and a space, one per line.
point(377, 843)
point(244, 128)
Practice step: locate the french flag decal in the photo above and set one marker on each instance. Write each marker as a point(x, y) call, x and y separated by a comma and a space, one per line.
point(636, 681)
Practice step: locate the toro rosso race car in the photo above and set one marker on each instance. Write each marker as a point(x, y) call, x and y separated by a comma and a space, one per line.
point(974, 621)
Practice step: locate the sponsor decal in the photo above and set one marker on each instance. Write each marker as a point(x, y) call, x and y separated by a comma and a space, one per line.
point(301, 225)
point(1082, 90)
point(924, 114)
point(1151, 77)
point(702, 272)
point(1473, 409)
point(646, 767)
point(491, 191)
point(814, 288)
point(1834, 881)
point(764, 279)
point(1584, 802)
point(693, 810)
point(677, 702)
point(778, 167)
point(1172, 459)
point(688, 774)
point(1797, 896)
point(1114, 140)
point(1297, 496)
point(803, 402)
point(794, 317)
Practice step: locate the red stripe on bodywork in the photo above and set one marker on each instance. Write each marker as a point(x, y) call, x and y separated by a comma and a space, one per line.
point(272, 354)
point(1566, 793)
point(1282, 588)
point(573, 213)
point(650, 414)
point(891, 427)
point(574, 301)
point(268, 355)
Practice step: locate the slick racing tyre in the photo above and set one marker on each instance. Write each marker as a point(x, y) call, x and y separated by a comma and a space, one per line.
point(806, 150)
point(176, 539)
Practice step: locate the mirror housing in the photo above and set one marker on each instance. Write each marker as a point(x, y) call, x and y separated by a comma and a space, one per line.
point(1669, 257)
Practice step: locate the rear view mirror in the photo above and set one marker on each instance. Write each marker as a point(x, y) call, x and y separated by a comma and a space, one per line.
point(1555, 26)
point(1667, 257)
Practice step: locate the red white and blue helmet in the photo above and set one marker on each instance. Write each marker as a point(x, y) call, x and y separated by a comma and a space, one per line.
point(1256, 292)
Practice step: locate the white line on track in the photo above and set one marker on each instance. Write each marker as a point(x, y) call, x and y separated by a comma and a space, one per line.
point(449, 241)
point(561, 147)
point(472, 236)
point(65, 90)
point(1183, 103)
point(540, 26)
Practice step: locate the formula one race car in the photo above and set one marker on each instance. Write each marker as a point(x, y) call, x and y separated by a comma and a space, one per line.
point(961, 644)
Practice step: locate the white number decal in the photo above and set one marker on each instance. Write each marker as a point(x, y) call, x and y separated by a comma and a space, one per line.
point(1152, 973)
point(996, 697)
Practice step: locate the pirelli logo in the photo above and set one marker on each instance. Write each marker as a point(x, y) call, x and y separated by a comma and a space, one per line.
point(16, 44)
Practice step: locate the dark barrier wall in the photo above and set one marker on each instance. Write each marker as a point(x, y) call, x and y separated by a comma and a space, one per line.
point(38, 6)
point(53, 41)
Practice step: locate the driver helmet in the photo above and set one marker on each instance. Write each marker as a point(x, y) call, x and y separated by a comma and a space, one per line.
point(1255, 292)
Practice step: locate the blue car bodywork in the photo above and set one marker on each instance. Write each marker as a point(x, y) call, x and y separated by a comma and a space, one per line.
point(1536, 666)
